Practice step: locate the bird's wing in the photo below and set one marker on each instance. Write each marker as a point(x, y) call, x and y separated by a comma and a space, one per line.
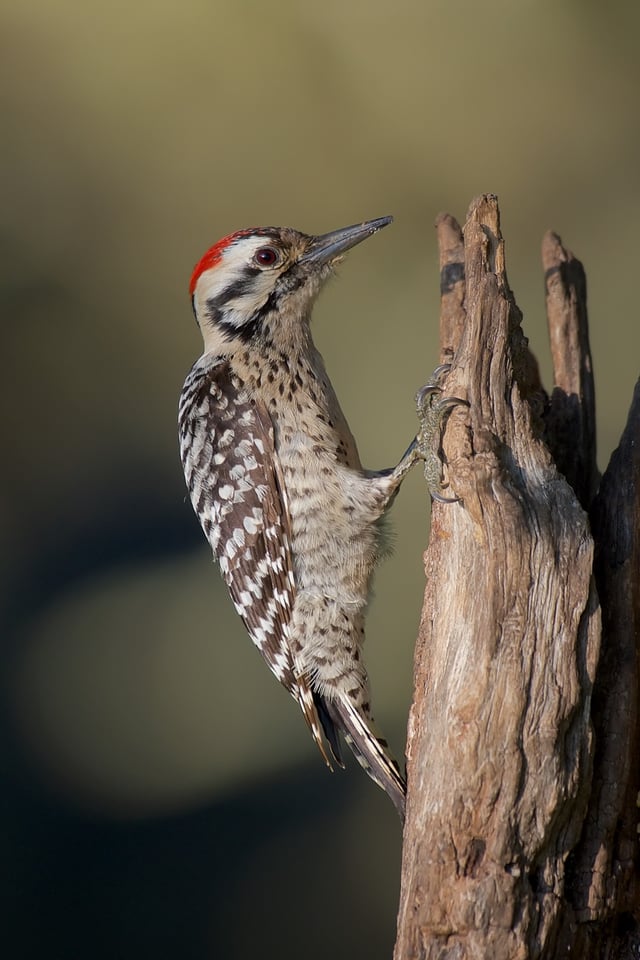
point(233, 476)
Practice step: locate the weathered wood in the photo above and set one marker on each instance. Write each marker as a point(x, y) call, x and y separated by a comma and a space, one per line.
point(605, 889)
point(500, 740)
point(571, 426)
point(452, 285)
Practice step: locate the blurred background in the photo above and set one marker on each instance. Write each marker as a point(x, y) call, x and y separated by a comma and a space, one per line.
point(161, 794)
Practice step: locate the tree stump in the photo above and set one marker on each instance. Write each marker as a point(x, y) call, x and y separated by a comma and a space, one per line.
point(522, 756)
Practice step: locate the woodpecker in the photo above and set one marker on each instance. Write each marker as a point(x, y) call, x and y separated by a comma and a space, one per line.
point(275, 478)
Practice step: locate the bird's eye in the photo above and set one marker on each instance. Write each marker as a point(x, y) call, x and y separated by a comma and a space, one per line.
point(266, 256)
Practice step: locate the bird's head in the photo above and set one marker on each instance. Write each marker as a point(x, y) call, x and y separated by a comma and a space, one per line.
point(259, 285)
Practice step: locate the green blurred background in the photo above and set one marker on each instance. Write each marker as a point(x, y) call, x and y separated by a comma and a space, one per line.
point(162, 796)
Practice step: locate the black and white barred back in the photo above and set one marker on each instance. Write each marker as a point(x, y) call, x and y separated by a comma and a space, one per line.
point(228, 456)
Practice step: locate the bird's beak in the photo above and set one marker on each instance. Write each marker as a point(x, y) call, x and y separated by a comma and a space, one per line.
point(328, 246)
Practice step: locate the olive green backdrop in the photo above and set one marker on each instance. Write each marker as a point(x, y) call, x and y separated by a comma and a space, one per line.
point(162, 795)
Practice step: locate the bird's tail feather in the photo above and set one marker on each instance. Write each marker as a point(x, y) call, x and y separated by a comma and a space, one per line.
point(319, 721)
point(370, 750)
point(329, 728)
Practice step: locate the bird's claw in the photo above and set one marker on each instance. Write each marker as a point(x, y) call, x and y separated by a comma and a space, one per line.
point(432, 410)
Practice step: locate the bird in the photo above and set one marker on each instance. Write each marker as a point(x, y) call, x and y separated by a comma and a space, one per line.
point(274, 476)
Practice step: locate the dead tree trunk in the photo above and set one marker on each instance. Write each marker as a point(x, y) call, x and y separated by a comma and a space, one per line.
point(521, 833)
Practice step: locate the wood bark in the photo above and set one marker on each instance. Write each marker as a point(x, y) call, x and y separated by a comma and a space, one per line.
point(522, 755)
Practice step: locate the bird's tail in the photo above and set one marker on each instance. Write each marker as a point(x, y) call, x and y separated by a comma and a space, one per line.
point(370, 750)
point(319, 721)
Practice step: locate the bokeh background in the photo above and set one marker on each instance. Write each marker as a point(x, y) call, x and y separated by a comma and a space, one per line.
point(161, 796)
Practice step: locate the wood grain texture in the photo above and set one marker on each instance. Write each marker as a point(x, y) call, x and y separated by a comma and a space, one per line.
point(517, 823)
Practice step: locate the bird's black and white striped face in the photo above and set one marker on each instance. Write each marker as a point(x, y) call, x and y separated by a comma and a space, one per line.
point(251, 277)
point(244, 277)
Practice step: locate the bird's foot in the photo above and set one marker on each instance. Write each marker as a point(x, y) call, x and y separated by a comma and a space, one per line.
point(432, 409)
